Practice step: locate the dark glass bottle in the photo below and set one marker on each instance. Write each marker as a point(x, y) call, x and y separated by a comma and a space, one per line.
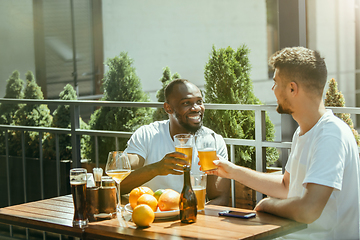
point(188, 202)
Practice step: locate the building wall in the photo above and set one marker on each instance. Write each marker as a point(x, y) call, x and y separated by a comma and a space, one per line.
point(180, 34)
point(331, 31)
point(16, 40)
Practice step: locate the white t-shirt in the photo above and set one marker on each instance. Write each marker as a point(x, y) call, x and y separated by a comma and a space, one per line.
point(327, 155)
point(153, 142)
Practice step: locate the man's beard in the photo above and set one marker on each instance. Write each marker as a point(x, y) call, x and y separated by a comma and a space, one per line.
point(188, 127)
point(280, 109)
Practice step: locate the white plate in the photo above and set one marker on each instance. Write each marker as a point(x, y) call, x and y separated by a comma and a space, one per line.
point(158, 214)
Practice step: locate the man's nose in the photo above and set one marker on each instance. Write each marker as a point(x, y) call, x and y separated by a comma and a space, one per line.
point(195, 107)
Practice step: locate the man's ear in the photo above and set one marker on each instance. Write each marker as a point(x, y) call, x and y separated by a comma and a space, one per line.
point(168, 108)
point(294, 88)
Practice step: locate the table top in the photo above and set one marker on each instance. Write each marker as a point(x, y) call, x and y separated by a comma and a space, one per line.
point(55, 215)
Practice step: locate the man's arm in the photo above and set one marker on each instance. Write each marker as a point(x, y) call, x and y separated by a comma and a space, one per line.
point(305, 209)
point(269, 184)
point(218, 190)
point(142, 174)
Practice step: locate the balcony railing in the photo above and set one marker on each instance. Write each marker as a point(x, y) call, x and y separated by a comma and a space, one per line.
point(259, 142)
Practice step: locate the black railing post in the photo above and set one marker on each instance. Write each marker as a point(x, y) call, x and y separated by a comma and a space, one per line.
point(7, 166)
point(58, 182)
point(41, 161)
point(24, 163)
point(75, 139)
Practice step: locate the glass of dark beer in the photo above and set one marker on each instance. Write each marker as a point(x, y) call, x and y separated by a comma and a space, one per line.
point(78, 190)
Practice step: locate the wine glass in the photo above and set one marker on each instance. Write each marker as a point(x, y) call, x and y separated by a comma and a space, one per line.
point(118, 167)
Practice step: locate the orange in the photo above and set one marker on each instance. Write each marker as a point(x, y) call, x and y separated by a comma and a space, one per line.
point(149, 200)
point(136, 193)
point(143, 215)
point(169, 200)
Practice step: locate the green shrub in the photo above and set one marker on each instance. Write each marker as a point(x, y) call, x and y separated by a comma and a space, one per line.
point(30, 115)
point(160, 113)
point(14, 88)
point(61, 119)
point(120, 83)
point(227, 76)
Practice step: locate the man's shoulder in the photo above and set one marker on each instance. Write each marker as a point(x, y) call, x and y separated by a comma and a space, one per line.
point(334, 123)
point(154, 127)
point(208, 130)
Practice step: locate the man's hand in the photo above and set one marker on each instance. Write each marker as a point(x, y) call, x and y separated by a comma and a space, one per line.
point(172, 163)
point(224, 168)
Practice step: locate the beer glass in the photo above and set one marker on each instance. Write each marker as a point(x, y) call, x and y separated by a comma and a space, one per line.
point(184, 143)
point(78, 190)
point(118, 167)
point(198, 183)
point(206, 147)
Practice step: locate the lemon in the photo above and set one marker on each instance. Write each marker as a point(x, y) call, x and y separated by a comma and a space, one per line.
point(143, 215)
point(158, 193)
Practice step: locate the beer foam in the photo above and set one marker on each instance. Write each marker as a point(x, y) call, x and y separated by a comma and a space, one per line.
point(206, 149)
point(77, 182)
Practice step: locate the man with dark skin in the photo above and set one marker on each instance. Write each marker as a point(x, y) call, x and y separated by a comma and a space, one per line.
point(151, 149)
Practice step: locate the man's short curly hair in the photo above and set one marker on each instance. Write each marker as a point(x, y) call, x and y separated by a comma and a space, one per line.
point(301, 65)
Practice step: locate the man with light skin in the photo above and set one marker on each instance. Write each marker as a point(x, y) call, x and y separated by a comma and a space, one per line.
point(151, 148)
point(320, 185)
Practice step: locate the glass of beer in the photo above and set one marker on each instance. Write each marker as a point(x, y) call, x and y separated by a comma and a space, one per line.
point(184, 143)
point(198, 183)
point(206, 147)
point(118, 167)
point(78, 190)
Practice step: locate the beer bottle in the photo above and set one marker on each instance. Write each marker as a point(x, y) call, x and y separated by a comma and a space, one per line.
point(188, 202)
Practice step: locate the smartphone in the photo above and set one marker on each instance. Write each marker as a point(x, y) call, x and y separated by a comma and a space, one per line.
point(237, 214)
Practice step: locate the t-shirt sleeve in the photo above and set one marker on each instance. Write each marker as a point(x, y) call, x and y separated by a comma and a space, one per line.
point(138, 142)
point(221, 147)
point(326, 167)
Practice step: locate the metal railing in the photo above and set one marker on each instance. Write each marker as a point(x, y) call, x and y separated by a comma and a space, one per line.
point(259, 142)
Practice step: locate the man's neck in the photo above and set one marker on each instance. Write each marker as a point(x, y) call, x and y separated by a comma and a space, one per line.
point(175, 130)
point(308, 115)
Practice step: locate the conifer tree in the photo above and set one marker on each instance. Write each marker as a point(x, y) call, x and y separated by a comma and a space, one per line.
point(227, 76)
point(120, 83)
point(14, 87)
point(334, 98)
point(61, 119)
point(160, 113)
point(31, 115)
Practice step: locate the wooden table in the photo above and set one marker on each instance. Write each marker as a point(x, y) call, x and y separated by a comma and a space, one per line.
point(55, 215)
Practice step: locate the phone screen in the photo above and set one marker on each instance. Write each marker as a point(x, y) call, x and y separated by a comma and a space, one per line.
point(237, 214)
point(243, 214)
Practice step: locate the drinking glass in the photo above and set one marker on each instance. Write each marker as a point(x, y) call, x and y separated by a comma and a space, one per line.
point(198, 183)
point(206, 146)
point(78, 190)
point(98, 172)
point(118, 167)
point(184, 143)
